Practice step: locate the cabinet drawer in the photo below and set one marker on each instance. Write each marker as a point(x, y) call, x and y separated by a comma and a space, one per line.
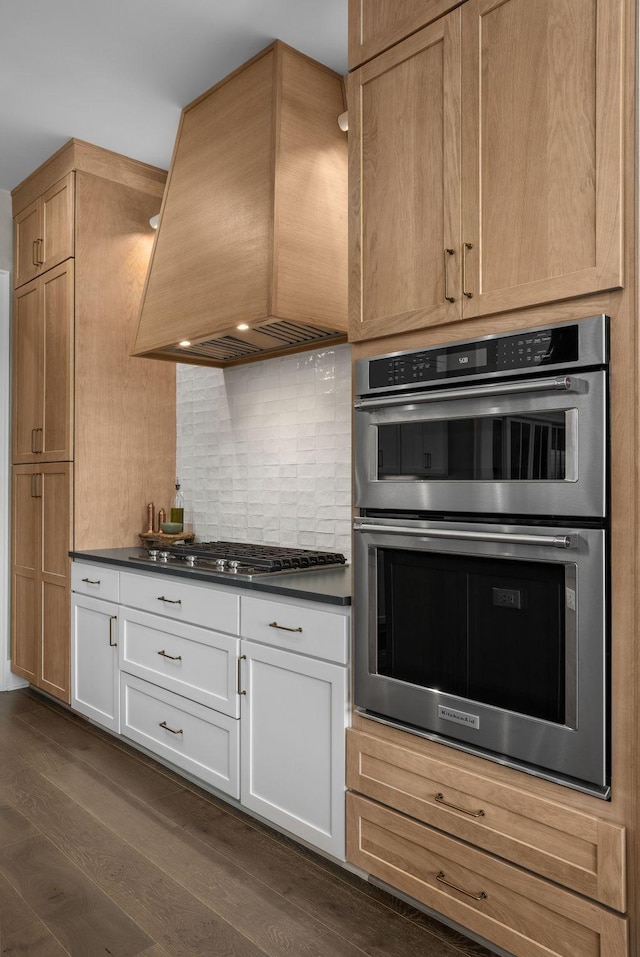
point(199, 604)
point(202, 742)
point(191, 661)
point(310, 631)
point(521, 913)
point(578, 851)
point(95, 580)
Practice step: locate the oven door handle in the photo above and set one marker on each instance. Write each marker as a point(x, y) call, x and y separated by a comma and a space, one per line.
point(556, 541)
point(563, 383)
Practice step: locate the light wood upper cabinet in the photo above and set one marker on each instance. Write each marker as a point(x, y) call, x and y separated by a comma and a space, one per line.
point(44, 231)
point(41, 522)
point(404, 148)
point(504, 147)
point(376, 25)
point(542, 163)
point(43, 368)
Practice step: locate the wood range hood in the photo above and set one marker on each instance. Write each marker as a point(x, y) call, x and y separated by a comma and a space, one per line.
point(250, 257)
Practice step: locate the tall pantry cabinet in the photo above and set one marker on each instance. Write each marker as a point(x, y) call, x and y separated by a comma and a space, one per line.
point(93, 430)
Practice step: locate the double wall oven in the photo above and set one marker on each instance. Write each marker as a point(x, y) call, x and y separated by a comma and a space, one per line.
point(481, 547)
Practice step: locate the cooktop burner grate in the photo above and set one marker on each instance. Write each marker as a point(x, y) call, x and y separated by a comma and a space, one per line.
point(242, 558)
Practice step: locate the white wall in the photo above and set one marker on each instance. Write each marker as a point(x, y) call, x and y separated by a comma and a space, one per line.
point(7, 680)
point(264, 450)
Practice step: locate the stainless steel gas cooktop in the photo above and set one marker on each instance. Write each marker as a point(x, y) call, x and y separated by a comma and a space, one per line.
point(239, 559)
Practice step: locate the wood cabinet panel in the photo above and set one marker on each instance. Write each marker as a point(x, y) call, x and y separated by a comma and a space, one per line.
point(43, 350)
point(523, 914)
point(375, 25)
point(26, 235)
point(574, 849)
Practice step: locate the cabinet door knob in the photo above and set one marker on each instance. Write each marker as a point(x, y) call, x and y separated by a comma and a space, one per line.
point(171, 657)
point(112, 643)
point(170, 601)
point(91, 581)
point(274, 624)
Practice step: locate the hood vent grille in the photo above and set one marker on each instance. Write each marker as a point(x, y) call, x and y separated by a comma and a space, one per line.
point(279, 337)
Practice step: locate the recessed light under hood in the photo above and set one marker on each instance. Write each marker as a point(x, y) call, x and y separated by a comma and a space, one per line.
point(250, 257)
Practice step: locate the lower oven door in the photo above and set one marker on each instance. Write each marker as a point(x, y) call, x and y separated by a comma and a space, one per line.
point(492, 638)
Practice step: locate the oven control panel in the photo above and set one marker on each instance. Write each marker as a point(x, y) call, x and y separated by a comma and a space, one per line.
point(529, 349)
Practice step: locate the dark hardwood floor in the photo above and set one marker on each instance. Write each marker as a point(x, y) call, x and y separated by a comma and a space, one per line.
point(105, 852)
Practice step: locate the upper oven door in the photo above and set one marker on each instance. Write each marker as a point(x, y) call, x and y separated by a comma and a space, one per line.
point(531, 447)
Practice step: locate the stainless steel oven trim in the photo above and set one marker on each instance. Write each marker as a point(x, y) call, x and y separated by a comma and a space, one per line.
point(575, 751)
point(582, 493)
point(559, 384)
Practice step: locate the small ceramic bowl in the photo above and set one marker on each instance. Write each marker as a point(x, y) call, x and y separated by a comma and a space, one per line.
point(171, 528)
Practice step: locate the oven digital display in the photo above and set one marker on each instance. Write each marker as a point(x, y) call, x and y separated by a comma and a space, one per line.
point(461, 361)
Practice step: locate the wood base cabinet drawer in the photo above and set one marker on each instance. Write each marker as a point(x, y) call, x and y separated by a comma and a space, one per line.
point(578, 851)
point(199, 740)
point(524, 914)
point(194, 662)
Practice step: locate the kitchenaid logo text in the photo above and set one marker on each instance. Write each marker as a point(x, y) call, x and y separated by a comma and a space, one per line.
point(460, 717)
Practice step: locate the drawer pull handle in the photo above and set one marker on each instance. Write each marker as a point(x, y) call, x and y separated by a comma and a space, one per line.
point(274, 624)
point(112, 643)
point(170, 601)
point(241, 658)
point(91, 581)
point(163, 724)
point(172, 657)
point(456, 807)
point(441, 876)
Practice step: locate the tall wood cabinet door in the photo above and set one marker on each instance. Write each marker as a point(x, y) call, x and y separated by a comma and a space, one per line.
point(404, 156)
point(542, 172)
point(43, 368)
point(56, 499)
point(27, 240)
point(58, 222)
point(25, 573)
point(27, 372)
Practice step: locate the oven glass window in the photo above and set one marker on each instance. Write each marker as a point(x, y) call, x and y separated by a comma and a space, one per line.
point(527, 446)
point(489, 630)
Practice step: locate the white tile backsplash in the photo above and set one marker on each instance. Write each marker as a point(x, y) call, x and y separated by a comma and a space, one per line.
point(264, 450)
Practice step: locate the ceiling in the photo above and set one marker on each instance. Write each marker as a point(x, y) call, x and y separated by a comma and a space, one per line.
point(117, 74)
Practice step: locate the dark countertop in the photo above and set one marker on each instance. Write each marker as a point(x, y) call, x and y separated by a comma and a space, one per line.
point(331, 586)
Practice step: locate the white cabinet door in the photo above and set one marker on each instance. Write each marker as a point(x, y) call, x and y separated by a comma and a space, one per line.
point(94, 661)
point(292, 743)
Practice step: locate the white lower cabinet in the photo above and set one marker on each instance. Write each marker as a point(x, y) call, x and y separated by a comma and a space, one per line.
point(245, 694)
point(197, 739)
point(293, 743)
point(94, 660)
